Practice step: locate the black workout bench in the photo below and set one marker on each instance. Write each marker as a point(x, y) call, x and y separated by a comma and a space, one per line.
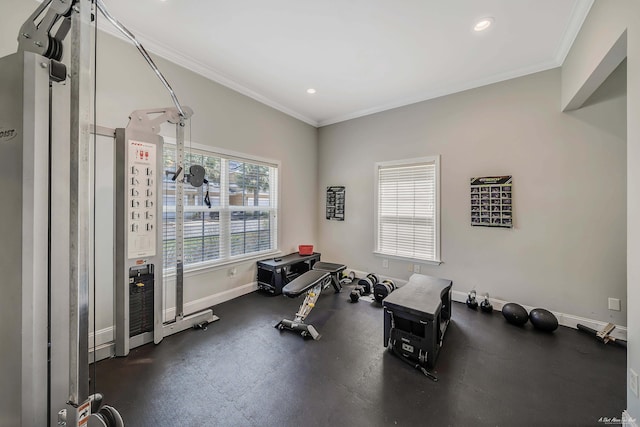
point(416, 317)
point(312, 282)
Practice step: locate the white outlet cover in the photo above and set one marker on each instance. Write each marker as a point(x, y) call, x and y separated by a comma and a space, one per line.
point(385, 263)
point(416, 268)
point(614, 304)
point(633, 381)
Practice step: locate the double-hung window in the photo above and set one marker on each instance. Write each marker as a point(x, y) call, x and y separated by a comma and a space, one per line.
point(242, 219)
point(407, 209)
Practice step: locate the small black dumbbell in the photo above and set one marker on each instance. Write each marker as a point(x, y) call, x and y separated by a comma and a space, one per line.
point(356, 293)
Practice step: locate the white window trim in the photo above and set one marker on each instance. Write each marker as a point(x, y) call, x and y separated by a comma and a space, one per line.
point(206, 266)
point(429, 159)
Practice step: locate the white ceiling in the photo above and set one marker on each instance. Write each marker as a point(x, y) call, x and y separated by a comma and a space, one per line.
point(362, 56)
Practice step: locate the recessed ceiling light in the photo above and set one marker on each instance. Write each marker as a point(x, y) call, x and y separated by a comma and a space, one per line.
point(311, 91)
point(483, 24)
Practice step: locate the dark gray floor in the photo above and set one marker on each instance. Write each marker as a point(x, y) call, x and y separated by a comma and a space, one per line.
point(244, 372)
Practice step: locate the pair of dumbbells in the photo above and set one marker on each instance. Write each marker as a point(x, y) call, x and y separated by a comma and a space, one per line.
point(383, 289)
point(370, 284)
point(364, 287)
point(485, 305)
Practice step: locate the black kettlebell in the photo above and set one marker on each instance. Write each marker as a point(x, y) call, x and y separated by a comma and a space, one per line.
point(471, 300)
point(485, 305)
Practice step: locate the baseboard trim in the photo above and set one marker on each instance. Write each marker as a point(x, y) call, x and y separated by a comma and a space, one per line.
point(105, 348)
point(564, 319)
point(627, 420)
point(104, 351)
point(209, 301)
point(106, 335)
point(102, 336)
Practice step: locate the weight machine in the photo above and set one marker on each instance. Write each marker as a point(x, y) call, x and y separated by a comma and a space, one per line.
point(44, 169)
point(138, 238)
point(46, 176)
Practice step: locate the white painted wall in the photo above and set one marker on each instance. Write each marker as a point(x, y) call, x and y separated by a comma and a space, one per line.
point(606, 21)
point(566, 251)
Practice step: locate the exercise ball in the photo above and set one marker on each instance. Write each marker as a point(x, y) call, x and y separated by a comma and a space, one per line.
point(543, 319)
point(515, 314)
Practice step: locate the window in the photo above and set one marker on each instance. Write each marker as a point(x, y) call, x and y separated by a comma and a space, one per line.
point(407, 209)
point(242, 220)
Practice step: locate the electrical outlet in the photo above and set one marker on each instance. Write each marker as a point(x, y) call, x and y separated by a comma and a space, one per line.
point(385, 263)
point(633, 381)
point(233, 271)
point(614, 304)
point(416, 268)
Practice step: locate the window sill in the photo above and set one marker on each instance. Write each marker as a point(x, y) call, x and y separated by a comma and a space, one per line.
point(407, 259)
point(207, 267)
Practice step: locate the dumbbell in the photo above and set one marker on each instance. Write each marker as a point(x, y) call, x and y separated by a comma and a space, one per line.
point(383, 289)
point(368, 283)
point(356, 293)
point(471, 300)
point(347, 277)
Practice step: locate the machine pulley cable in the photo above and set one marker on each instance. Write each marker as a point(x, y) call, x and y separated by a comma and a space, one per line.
point(143, 52)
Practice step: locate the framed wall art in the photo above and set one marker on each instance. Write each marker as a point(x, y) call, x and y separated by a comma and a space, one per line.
point(335, 203)
point(492, 202)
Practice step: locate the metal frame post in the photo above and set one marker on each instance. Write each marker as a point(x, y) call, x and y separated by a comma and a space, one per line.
point(79, 207)
point(180, 221)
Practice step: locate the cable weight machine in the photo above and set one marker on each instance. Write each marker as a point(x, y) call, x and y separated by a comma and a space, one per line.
point(44, 117)
point(138, 237)
point(45, 154)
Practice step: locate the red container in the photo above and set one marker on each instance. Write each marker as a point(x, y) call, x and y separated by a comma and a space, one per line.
point(305, 249)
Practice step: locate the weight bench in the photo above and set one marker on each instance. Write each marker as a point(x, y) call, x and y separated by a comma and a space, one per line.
point(334, 270)
point(312, 282)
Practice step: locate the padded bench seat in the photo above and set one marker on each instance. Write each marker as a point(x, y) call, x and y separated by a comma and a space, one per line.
point(422, 296)
point(304, 282)
point(312, 283)
point(334, 269)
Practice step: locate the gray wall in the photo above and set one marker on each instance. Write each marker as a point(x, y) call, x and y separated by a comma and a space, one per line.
point(607, 20)
point(567, 250)
point(225, 119)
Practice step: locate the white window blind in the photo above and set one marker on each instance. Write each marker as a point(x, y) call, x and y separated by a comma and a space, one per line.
point(242, 219)
point(407, 212)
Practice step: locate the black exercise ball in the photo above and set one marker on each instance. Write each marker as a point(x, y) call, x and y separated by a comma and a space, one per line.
point(515, 314)
point(543, 319)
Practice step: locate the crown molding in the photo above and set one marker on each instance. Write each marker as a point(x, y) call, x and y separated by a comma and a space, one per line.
point(172, 55)
point(579, 13)
point(448, 90)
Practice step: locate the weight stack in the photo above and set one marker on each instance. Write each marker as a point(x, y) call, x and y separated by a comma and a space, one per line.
point(141, 304)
